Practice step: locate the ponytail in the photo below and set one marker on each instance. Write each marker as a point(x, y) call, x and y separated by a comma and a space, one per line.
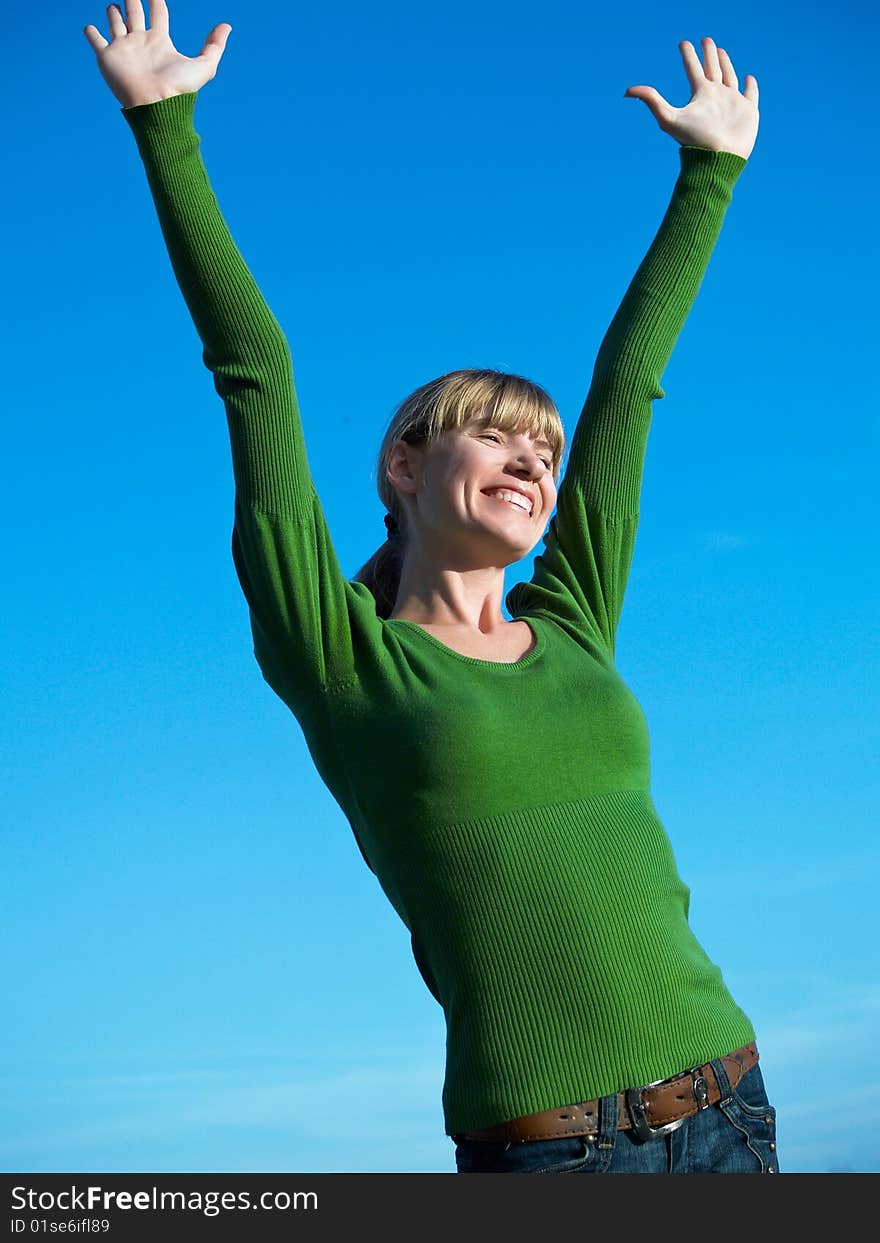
point(382, 575)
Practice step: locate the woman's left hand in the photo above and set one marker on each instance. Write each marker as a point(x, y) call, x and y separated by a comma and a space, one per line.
point(718, 116)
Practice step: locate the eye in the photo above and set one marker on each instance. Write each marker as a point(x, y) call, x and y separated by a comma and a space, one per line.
point(495, 436)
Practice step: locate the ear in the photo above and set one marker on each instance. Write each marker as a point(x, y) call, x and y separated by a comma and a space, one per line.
point(403, 466)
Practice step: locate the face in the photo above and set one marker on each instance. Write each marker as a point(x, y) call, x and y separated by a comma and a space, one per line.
point(454, 491)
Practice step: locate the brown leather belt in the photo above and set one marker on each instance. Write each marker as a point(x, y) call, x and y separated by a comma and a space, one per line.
point(648, 1111)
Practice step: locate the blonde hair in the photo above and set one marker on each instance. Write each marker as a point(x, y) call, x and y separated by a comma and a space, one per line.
point(510, 403)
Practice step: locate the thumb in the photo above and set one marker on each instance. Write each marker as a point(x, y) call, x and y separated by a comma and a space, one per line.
point(655, 101)
point(215, 44)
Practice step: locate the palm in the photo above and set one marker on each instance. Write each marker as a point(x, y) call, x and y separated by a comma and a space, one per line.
point(157, 57)
point(717, 115)
point(141, 64)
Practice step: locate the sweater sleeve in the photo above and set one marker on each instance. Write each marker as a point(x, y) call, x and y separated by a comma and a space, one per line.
point(283, 555)
point(580, 577)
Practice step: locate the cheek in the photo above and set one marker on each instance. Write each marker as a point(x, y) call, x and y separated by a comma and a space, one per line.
point(444, 485)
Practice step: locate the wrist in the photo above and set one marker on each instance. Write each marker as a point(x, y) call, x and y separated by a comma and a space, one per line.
point(139, 101)
point(145, 93)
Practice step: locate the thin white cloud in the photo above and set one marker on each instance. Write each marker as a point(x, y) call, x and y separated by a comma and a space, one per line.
point(152, 1106)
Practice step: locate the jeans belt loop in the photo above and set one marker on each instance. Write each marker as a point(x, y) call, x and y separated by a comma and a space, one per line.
point(701, 1090)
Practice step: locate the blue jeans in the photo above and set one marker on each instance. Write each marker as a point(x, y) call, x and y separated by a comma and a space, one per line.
point(736, 1136)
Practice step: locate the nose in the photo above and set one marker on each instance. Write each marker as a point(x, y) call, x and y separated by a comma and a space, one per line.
point(527, 461)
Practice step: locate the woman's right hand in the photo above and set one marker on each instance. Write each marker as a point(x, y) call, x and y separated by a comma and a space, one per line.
point(142, 66)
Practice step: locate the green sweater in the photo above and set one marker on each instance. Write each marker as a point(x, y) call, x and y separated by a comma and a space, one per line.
point(504, 808)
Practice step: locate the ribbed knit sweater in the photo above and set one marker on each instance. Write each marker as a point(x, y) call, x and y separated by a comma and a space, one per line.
point(537, 883)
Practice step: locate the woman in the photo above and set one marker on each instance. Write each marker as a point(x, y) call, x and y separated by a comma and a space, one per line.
point(495, 773)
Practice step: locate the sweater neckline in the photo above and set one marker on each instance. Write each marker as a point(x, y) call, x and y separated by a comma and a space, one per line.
point(514, 665)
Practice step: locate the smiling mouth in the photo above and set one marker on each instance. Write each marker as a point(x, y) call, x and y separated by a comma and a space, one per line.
point(513, 504)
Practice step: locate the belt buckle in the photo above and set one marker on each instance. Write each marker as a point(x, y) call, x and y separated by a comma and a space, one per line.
point(638, 1116)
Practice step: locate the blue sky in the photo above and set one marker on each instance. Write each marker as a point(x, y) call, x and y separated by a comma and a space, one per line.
point(201, 973)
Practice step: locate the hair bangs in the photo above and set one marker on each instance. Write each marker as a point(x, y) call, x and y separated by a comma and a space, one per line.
point(509, 402)
point(524, 407)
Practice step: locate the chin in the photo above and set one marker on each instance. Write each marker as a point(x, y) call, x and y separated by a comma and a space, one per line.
point(507, 550)
point(510, 553)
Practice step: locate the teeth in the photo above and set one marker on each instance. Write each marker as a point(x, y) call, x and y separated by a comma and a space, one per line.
point(514, 498)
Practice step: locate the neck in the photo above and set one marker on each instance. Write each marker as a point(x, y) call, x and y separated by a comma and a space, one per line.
point(442, 596)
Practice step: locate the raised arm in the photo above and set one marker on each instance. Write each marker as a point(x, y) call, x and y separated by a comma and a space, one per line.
point(282, 551)
point(582, 574)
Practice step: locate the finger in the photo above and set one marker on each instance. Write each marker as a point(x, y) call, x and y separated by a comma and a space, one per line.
point(710, 60)
point(751, 89)
point(728, 73)
point(159, 16)
point(134, 11)
point(660, 107)
point(95, 38)
point(215, 44)
point(692, 66)
point(115, 22)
